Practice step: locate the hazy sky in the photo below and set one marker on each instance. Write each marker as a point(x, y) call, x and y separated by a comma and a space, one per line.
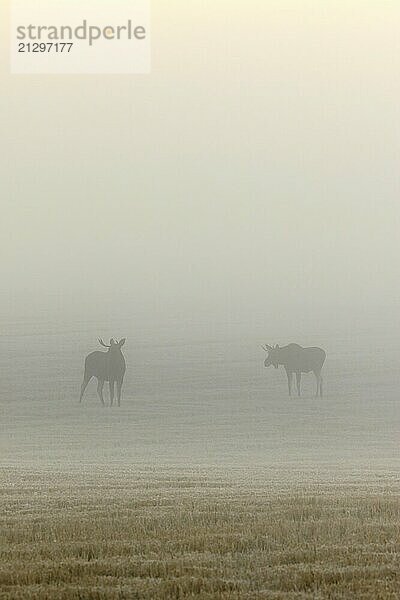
point(255, 171)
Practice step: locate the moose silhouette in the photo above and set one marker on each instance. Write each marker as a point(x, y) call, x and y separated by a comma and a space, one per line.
point(296, 359)
point(106, 366)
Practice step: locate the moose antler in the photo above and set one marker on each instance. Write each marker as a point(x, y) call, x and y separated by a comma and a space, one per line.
point(103, 344)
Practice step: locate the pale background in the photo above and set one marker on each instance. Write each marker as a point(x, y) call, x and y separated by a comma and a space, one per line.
point(255, 171)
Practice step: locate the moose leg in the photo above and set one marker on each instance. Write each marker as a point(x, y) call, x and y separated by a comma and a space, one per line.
point(119, 391)
point(298, 382)
point(112, 392)
point(289, 378)
point(319, 383)
point(100, 386)
point(84, 385)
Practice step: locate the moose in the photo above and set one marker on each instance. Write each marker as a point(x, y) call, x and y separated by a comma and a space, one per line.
point(106, 366)
point(296, 359)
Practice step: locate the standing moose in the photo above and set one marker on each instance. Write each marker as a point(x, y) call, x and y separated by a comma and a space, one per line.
point(106, 366)
point(297, 360)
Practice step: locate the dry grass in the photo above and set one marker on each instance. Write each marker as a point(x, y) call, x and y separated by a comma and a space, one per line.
point(163, 535)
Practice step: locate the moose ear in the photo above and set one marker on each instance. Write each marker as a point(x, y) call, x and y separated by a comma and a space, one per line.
point(112, 342)
point(277, 347)
point(121, 342)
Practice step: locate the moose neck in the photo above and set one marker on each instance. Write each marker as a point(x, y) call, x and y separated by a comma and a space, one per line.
point(281, 355)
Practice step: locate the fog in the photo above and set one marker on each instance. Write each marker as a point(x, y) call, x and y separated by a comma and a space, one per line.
point(245, 192)
point(250, 182)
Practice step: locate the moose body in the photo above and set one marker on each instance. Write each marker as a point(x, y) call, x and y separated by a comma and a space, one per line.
point(106, 366)
point(297, 360)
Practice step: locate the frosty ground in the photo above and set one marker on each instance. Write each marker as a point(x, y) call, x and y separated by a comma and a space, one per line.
point(181, 533)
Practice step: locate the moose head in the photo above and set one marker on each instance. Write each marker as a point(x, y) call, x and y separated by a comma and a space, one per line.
point(272, 358)
point(113, 346)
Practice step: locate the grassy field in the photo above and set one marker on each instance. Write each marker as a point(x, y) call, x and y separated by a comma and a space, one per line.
point(169, 534)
